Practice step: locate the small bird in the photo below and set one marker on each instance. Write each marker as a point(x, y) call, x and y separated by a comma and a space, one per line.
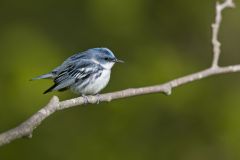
point(85, 73)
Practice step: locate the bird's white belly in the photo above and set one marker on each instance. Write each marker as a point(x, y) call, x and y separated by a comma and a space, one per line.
point(96, 85)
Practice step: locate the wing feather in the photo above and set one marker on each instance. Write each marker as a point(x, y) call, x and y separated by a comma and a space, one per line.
point(70, 73)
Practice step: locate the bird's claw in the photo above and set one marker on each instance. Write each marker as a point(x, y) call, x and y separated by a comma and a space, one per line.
point(85, 99)
point(98, 98)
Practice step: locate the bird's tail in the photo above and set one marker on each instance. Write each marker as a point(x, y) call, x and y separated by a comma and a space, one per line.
point(50, 89)
point(44, 76)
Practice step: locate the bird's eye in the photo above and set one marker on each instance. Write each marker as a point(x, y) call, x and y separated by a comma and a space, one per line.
point(107, 59)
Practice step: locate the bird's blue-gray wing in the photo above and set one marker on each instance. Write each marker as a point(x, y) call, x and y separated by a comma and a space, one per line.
point(70, 73)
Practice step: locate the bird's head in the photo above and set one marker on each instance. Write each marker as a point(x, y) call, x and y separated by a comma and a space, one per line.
point(104, 57)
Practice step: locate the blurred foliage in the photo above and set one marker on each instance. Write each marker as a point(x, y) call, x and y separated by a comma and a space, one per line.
point(159, 40)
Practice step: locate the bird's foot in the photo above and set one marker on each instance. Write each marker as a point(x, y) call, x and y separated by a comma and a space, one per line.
point(98, 98)
point(85, 99)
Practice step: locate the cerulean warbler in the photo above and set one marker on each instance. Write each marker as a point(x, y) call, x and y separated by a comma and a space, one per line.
point(85, 73)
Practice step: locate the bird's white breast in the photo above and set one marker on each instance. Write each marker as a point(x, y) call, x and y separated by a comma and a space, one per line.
point(96, 85)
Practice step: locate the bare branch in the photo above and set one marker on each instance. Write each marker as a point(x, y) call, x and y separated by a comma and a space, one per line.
point(26, 128)
point(215, 30)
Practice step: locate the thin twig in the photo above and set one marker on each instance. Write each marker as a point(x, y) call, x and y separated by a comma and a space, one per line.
point(26, 128)
point(215, 30)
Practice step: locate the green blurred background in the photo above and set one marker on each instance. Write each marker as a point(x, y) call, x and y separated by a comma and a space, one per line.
point(159, 40)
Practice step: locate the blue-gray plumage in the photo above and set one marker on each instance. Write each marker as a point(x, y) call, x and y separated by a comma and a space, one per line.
point(85, 73)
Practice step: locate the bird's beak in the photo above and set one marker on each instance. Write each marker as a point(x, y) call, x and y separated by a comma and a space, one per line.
point(118, 61)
